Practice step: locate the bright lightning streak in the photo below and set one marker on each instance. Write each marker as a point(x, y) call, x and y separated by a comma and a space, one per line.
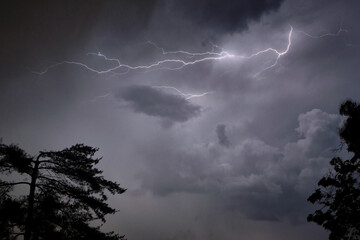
point(191, 54)
point(279, 54)
point(177, 62)
point(182, 63)
point(187, 96)
point(326, 34)
point(224, 54)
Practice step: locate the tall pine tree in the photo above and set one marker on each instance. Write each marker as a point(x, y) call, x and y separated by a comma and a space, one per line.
point(66, 193)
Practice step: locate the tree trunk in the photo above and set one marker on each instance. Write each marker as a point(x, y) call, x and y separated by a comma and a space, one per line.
point(31, 200)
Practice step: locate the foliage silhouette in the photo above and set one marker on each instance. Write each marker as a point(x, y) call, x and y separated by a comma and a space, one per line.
point(339, 190)
point(67, 193)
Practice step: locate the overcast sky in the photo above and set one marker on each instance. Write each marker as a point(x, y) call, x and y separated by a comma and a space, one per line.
point(238, 159)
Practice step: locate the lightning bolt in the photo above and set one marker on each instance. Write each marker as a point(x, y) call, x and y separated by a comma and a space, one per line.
point(119, 65)
point(187, 96)
point(277, 52)
point(192, 54)
point(166, 63)
point(341, 30)
point(335, 34)
point(176, 60)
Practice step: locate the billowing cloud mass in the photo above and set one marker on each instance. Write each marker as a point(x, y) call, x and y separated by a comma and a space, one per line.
point(272, 182)
point(154, 102)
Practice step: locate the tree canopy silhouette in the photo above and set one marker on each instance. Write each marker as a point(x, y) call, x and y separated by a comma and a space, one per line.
point(66, 194)
point(339, 191)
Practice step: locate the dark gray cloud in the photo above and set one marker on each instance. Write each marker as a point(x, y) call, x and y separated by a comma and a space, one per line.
point(38, 29)
point(224, 16)
point(254, 178)
point(154, 102)
point(221, 134)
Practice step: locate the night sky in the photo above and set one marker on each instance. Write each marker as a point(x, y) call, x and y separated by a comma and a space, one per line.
point(219, 117)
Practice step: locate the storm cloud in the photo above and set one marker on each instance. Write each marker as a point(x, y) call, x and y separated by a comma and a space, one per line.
point(238, 163)
point(154, 102)
point(224, 16)
point(272, 182)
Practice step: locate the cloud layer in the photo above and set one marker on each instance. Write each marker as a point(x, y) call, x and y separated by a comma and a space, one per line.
point(224, 16)
point(272, 182)
point(154, 102)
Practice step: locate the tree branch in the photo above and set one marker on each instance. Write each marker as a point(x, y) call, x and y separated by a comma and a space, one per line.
point(13, 184)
